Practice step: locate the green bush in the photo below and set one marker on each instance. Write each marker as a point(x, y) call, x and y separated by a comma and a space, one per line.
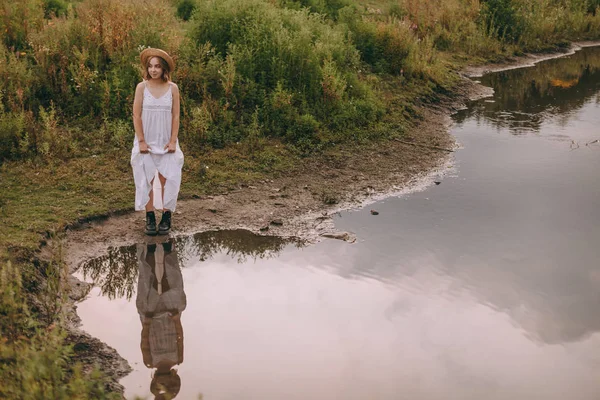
point(329, 8)
point(285, 63)
point(549, 24)
point(20, 82)
point(35, 361)
point(17, 20)
point(55, 8)
point(500, 19)
point(303, 132)
point(185, 9)
point(118, 133)
point(392, 46)
point(13, 135)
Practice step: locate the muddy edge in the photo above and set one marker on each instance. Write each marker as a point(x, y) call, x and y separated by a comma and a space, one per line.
point(295, 203)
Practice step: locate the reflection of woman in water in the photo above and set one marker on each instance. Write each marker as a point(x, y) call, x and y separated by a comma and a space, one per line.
point(160, 302)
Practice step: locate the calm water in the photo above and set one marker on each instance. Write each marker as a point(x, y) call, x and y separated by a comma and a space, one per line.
point(484, 287)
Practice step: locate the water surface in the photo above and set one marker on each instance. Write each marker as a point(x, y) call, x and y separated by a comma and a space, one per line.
point(484, 287)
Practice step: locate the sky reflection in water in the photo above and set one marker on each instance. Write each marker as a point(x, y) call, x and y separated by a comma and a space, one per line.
point(484, 287)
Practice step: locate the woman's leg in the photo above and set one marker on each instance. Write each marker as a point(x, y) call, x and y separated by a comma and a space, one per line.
point(150, 203)
point(150, 216)
point(162, 180)
point(165, 222)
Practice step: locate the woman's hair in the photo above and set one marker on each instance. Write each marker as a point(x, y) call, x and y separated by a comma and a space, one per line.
point(165, 67)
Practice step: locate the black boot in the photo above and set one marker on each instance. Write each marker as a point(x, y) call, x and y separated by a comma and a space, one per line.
point(150, 223)
point(165, 223)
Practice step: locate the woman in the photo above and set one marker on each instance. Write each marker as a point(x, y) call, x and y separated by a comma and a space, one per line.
point(160, 301)
point(156, 149)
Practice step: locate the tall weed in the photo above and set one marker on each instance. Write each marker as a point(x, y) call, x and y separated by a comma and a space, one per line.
point(329, 8)
point(549, 23)
point(53, 141)
point(14, 140)
point(502, 20)
point(17, 20)
point(36, 361)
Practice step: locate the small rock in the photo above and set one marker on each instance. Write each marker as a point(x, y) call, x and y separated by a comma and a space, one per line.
point(251, 187)
point(374, 212)
point(437, 182)
point(212, 210)
point(345, 236)
point(264, 228)
point(277, 222)
point(279, 204)
point(195, 196)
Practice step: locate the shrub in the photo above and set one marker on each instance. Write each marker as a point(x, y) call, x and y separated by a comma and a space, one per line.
point(286, 63)
point(52, 139)
point(395, 42)
point(303, 132)
point(36, 361)
point(55, 8)
point(118, 133)
point(500, 19)
point(19, 80)
point(13, 137)
point(17, 20)
point(552, 23)
point(185, 8)
point(329, 8)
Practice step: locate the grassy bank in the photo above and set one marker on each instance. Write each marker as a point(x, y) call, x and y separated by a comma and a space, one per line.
point(266, 85)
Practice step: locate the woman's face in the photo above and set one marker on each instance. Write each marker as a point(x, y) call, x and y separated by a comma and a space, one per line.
point(155, 69)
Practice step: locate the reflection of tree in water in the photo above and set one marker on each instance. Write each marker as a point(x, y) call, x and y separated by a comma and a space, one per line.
point(524, 98)
point(116, 272)
point(238, 244)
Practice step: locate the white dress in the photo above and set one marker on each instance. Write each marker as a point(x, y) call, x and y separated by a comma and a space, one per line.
point(156, 124)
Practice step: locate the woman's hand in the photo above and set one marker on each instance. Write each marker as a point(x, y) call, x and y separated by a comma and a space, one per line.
point(171, 147)
point(144, 149)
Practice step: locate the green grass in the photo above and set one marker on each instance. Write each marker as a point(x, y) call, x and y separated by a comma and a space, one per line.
point(45, 197)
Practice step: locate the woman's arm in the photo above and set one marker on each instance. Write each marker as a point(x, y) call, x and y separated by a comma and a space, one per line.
point(171, 146)
point(137, 117)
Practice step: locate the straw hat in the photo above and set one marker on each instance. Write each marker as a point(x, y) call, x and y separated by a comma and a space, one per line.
point(150, 52)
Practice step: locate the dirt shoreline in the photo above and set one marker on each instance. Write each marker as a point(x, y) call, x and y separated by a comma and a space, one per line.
point(293, 205)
